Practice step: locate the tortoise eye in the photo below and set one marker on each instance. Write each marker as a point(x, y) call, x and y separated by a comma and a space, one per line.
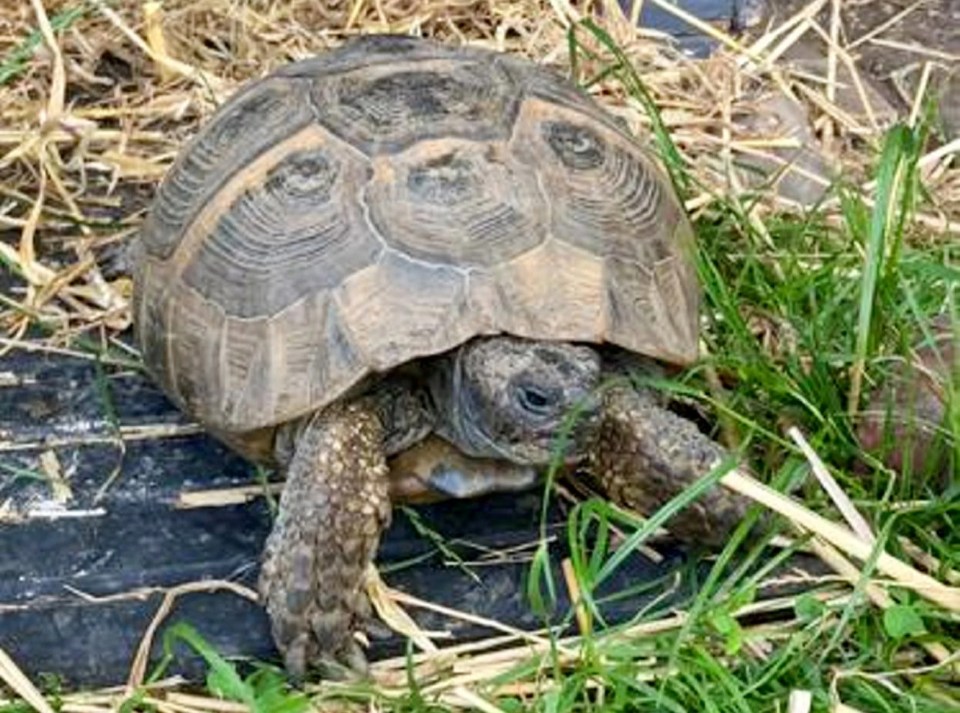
point(536, 401)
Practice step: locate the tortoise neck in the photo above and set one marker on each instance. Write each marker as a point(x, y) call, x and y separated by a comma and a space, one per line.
point(453, 422)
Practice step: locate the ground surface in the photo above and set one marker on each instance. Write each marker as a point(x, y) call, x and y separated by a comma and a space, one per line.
point(912, 34)
point(86, 562)
point(807, 314)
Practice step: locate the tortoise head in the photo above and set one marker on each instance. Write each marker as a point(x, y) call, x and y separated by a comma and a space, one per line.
point(510, 398)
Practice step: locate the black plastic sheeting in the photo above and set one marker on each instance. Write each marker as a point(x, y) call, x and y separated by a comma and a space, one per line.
point(727, 15)
point(64, 567)
point(73, 574)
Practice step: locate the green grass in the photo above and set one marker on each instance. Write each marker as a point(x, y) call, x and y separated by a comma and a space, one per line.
point(17, 61)
point(838, 303)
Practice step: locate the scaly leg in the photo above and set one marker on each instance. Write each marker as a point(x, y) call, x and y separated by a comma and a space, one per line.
point(333, 509)
point(646, 455)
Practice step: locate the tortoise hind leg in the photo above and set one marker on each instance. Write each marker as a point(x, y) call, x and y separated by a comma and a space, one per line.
point(646, 455)
point(333, 509)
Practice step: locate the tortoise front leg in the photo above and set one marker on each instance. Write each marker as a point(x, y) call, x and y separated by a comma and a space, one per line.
point(645, 455)
point(333, 509)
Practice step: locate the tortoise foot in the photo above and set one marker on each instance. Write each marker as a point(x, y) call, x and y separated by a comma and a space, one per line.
point(646, 455)
point(333, 508)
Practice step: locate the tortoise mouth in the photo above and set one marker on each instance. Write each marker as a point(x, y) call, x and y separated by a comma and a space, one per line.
point(575, 435)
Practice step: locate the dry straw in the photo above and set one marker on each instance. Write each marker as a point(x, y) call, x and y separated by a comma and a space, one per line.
point(105, 94)
point(98, 97)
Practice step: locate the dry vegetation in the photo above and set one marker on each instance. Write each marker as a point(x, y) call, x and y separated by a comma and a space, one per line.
point(97, 98)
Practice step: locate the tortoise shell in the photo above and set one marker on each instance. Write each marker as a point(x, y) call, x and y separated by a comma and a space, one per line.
point(391, 200)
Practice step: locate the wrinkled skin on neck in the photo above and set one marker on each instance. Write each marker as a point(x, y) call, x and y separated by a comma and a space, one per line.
point(510, 398)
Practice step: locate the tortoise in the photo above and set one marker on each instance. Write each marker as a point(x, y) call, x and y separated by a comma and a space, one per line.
point(399, 243)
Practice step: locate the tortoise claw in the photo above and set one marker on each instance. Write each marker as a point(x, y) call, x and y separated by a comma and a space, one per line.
point(297, 656)
point(356, 660)
point(350, 664)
